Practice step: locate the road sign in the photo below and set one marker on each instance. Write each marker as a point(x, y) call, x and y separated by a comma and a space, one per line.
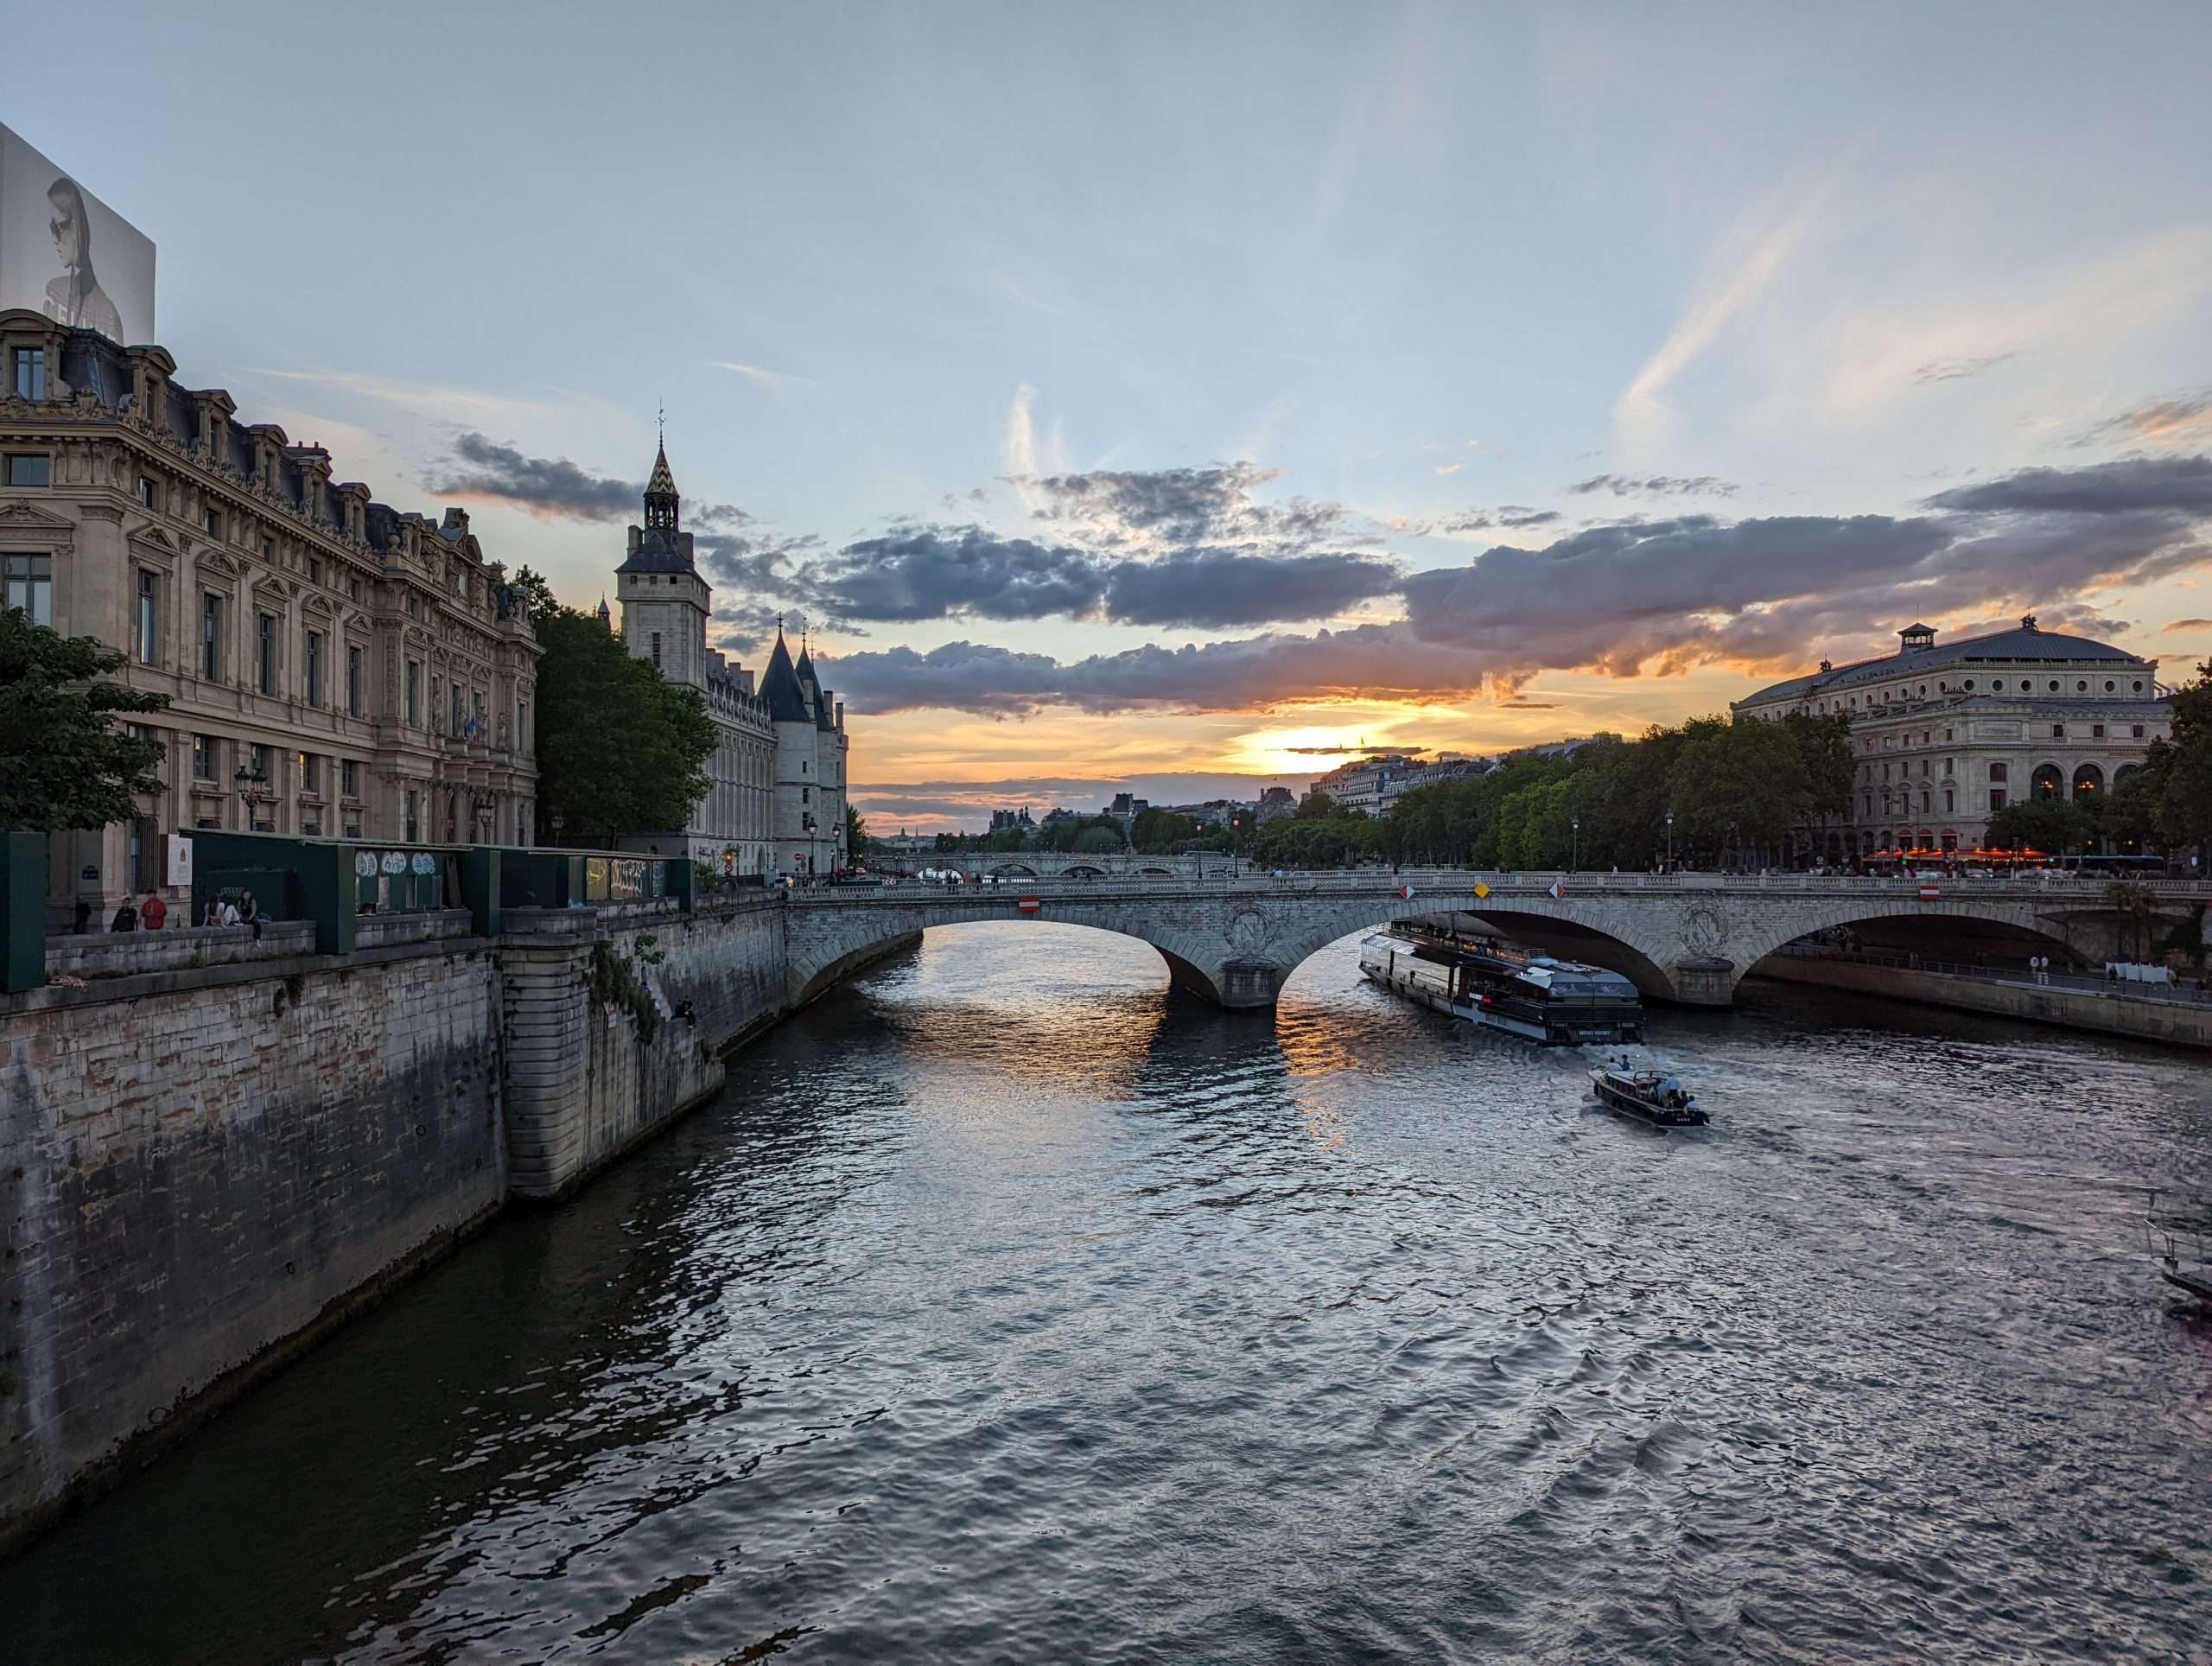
point(1481, 890)
point(1029, 905)
point(1929, 890)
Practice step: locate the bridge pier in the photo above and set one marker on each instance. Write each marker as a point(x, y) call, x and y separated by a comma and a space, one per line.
point(1704, 980)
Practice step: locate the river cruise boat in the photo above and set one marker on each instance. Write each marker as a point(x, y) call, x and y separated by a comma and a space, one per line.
point(1648, 1096)
point(2182, 1239)
point(1503, 986)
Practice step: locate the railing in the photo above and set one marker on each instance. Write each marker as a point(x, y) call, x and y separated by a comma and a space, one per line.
point(1369, 881)
point(2181, 995)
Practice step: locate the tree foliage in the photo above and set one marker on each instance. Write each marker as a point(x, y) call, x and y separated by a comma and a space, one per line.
point(619, 750)
point(2177, 772)
point(69, 763)
point(2052, 826)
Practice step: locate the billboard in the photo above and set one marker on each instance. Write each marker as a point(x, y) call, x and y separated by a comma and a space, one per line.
point(65, 253)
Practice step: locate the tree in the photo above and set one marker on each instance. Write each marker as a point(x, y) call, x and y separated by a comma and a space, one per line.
point(1160, 830)
point(1316, 807)
point(1738, 784)
point(2053, 826)
point(68, 766)
point(856, 840)
point(2131, 902)
point(1095, 840)
point(619, 751)
point(530, 587)
point(2178, 771)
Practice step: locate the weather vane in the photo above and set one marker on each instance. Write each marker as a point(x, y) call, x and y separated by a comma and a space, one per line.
point(660, 421)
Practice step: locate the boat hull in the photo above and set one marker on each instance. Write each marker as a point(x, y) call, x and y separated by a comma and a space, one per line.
point(1624, 1104)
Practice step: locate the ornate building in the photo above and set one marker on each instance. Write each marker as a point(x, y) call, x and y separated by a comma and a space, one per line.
point(335, 668)
point(1947, 736)
point(775, 802)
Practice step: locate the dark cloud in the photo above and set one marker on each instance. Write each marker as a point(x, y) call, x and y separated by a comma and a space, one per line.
point(2183, 419)
point(2179, 485)
point(916, 573)
point(1509, 517)
point(2190, 625)
point(1656, 486)
point(1374, 662)
point(1120, 509)
point(549, 486)
point(1219, 588)
point(1954, 370)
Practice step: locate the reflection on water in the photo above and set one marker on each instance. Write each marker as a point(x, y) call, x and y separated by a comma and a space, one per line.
point(1003, 1308)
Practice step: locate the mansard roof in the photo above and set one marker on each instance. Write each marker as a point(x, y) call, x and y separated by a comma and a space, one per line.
point(2023, 641)
point(779, 686)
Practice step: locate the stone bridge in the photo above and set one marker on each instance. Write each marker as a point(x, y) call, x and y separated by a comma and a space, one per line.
point(1683, 938)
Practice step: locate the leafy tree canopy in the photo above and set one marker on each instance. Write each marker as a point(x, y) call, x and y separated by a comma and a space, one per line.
point(69, 763)
point(619, 750)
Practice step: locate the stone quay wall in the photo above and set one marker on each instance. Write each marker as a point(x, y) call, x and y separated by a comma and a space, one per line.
point(2177, 1023)
point(201, 1169)
point(216, 1149)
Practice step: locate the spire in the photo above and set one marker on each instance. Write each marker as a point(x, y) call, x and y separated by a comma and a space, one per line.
point(660, 493)
point(605, 618)
point(780, 685)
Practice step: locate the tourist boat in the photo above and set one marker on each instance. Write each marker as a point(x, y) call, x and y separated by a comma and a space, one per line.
point(2183, 1243)
point(1490, 981)
point(1649, 1096)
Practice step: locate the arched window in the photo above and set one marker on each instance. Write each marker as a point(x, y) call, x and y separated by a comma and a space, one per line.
point(2049, 782)
point(2122, 773)
point(2089, 781)
point(1999, 773)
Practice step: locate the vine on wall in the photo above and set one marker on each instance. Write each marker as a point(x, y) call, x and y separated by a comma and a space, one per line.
point(615, 979)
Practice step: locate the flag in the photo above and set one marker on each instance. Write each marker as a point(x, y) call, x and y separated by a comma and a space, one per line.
point(1556, 890)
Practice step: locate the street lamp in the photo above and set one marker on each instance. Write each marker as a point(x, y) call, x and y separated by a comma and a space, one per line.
point(249, 783)
point(1574, 846)
point(1670, 841)
point(559, 822)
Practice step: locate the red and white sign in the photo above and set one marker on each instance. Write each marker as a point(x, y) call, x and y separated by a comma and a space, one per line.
point(1929, 890)
point(1555, 890)
point(1029, 905)
point(1407, 892)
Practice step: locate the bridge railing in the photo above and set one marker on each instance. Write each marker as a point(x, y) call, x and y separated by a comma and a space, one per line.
point(1457, 882)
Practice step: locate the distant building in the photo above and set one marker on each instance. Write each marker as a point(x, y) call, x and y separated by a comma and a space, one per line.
point(1012, 821)
point(1948, 737)
point(1125, 808)
point(1059, 817)
point(1274, 804)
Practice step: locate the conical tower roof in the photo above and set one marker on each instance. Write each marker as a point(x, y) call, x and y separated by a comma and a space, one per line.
point(779, 686)
point(662, 483)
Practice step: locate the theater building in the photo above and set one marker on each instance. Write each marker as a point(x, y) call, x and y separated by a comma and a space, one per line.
point(1946, 735)
point(335, 667)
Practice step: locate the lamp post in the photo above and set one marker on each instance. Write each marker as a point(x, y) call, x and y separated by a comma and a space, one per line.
point(1670, 841)
point(559, 822)
point(249, 783)
point(1574, 846)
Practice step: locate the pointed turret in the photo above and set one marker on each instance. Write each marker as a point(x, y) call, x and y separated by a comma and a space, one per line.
point(661, 500)
point(780, 688)
point(605, 618)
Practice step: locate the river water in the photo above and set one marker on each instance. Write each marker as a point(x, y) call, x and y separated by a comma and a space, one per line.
point(1003, 1309)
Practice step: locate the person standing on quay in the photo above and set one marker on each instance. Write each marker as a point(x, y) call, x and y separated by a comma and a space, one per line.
point(155, 912)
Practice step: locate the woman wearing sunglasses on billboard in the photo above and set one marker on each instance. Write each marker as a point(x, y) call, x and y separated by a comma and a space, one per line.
point(75, 297)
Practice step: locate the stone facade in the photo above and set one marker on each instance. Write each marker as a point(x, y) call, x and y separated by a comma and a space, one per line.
point(775, 801)
point(370, 664)
point(1948, 737)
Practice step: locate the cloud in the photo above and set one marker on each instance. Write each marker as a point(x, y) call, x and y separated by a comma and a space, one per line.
point(1506, 517)
point(1449, 469)
point(778, 382)
point(916, 573)
point(1675, 486)
point(1369, 662)
point(2180, 485)
point(1958, 369)
point(2185, 419)
point(550, 487)
point(2190, 625)
point(1140, 510)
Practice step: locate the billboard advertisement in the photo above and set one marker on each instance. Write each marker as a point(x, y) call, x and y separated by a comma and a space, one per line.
point(65, 253)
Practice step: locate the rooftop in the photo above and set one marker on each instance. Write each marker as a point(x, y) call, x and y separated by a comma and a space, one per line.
point(2023, 641)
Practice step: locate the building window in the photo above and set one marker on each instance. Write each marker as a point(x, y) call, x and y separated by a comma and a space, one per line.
point(211, 637)
point(147, 491)
point(2059, 731)
point(805, 795)
point(310, 773)
point(30, 372)
point(2096, 731)
point(459, 722)
point(349, 777)
point(352, 680)
point(314, 668)
point(1948, 804)
point(521, 726)
point(315, 570)
point(353, 829)
point(414, 695)
point(352, 589)
point(213, 520)
point(1997, 797)
point(26, 585)
point(2138, 731)
point(29, 468)
point(412, 832)
point(1967, 685)
point(655, 650)
point(148, 616)
point(1997, 772)
point(269, 549)
point(2054, 685)
point(203, 757)
point(2082, 686)
point(2110, 685)
point(2138, 687)
point(265, 653)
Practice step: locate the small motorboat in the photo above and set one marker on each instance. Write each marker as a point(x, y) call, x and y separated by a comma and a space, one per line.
point(2182, 1239)
point(1649, 1096)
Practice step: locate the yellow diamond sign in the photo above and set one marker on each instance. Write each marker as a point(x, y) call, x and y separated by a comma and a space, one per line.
point(1481, 890)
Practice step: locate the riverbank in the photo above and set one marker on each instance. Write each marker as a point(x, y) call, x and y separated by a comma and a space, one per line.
point(2177, 1023)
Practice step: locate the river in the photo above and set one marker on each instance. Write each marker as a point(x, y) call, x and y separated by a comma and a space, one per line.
point(1004, 1309)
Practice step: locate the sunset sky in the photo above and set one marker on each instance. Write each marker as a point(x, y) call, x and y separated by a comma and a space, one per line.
point(1170, 394)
